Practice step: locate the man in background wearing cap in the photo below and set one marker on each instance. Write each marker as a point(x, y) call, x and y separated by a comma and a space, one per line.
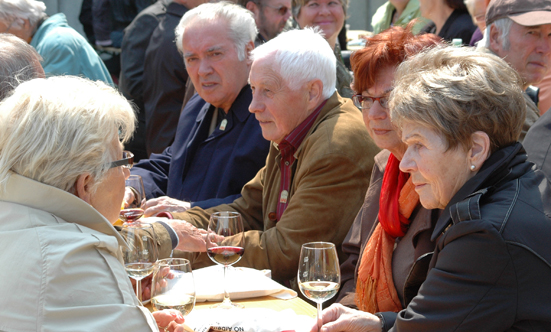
point(519, 31)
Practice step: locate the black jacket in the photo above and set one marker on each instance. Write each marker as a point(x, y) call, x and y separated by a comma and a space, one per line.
point(491, 267)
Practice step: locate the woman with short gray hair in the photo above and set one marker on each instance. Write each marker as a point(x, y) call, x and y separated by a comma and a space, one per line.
point(62, 182)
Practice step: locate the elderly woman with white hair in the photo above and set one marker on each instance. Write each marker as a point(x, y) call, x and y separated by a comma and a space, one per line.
point(460, 113)
point(62, 181)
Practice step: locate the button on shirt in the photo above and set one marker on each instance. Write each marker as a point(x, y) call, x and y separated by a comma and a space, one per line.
point(287, 148)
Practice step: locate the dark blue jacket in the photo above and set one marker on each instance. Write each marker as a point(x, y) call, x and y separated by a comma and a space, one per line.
point(207, 170)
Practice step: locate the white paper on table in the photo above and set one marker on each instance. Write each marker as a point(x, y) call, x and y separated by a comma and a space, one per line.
point(242, 283)
point(249, 320)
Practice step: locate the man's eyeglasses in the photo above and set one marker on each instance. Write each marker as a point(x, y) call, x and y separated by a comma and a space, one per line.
point(127, 160)
point(365, 102)
point(281, 10)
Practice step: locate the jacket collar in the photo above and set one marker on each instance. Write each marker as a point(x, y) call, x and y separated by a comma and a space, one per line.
point(495, 169)
point(239, 108)
point(40, 196)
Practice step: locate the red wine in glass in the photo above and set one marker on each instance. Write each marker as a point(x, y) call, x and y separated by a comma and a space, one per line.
point(225, 255)
point(131, 215)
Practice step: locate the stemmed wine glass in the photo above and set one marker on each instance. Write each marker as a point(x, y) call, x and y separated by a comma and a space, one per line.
point(172, 285)
point(319, 275)
point(225, 246)
point(135, 199)
point(141, 253)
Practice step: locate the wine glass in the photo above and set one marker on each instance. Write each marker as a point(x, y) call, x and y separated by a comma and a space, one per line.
point(319, 275)
point(133, 209)
point(225, 246)
point(172, 286)
point(141, 253)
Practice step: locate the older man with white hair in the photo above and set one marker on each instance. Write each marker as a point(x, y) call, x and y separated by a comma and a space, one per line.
point(320, 159)
point(519, 31)
point(64, 50)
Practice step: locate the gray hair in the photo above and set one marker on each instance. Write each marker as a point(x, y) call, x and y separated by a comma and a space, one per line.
point(503, 25)
point(20, 62)
point(30, 10)
point(297, 6)
point(458, 91)
point(242, 27)
point(54, 130)
point(301, 55)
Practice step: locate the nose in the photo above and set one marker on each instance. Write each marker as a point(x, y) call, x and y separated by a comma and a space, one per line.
point(377, 112)
point(407, 165)
point(256, 105)
point(126, 172)
point(204, 68)
point(287, 15)
point(324, 9)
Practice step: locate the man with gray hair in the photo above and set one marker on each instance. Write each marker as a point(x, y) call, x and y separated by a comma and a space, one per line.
point(65, 51)
point(519, 31)
point(218, 145)
point(20, 63)
point(320, 160)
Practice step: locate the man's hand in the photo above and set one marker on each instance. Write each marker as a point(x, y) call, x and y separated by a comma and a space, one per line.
point(164, 204)
point(340, 318)
point(169, 320)
point(190, 237)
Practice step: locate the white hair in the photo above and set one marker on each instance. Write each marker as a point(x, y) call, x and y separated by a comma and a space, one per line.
point(503, 25)
point(302, 55)
point(54, 130)
point(23, 9)
point(242, 27)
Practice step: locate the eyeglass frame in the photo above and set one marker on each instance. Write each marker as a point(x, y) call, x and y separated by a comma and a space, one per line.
point(287, 9)
point(126, 161)
point(359, 99)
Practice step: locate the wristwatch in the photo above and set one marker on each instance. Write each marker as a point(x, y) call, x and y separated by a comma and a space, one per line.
point(382, 319)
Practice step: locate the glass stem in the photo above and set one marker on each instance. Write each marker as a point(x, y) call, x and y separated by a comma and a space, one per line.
point(226, 294)
point(138, 293)
point(320, 320)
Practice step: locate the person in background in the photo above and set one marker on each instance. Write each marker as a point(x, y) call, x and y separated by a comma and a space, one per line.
point(398, 13)
point(20, 63)
point(391, 233)
point(538, 144)
point(164, 79)
point(62, 181)
point(320, 159)
point(135, 40)
point(270, 17)
point(63, 50)
point(328, 16)
point(491, 265)
point(218, 145)
point(519, 31)
point(450, 19)
point(477, 10)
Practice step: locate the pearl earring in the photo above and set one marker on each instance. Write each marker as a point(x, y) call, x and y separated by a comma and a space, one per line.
point(473, 167)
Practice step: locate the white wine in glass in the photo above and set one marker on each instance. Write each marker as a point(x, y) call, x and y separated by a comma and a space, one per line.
point(319, 275)
point(141, 252)
point(225, 246)
point(172, 286)
point(133, 209)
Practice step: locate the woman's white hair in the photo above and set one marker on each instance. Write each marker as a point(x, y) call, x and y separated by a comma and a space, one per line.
point(301, 55)
point(53, 130)
point(503, 25)
point(242, 28)
point(24, 9)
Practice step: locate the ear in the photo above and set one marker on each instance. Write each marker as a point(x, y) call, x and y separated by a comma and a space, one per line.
point(83, 186)
point(495, 42)
point(480, 149)
point(248, 48)
point(252, 7)
point(315, 94)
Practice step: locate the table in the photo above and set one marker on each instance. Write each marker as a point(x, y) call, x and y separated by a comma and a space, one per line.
point(299, 306)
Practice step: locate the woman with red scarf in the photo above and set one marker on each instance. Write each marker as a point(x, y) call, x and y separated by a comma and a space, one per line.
point(389, 241)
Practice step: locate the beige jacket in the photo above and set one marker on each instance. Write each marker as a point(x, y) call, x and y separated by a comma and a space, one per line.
point(60, 265)
point(329, 179)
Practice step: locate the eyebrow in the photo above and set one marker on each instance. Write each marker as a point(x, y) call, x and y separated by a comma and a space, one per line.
point(384, 92)
point(209, 50)
point(407, 138)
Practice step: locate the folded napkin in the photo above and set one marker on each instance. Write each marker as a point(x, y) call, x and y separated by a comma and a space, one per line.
point(249, 320)
point(242, 283)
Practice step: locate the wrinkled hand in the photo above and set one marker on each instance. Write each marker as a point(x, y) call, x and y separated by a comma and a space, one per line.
point(128, 197)
point(338, 318)
point(191, 238)
point(145, 286)
point(164, 204)
point(169, 320)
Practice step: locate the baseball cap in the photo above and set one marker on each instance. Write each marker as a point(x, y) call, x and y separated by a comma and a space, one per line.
point(523, 12)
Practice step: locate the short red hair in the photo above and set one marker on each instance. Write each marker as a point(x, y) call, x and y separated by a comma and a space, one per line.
point(388, 48)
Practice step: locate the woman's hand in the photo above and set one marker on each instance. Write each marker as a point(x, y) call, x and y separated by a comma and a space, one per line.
point(340, 318)
point(169, 320)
